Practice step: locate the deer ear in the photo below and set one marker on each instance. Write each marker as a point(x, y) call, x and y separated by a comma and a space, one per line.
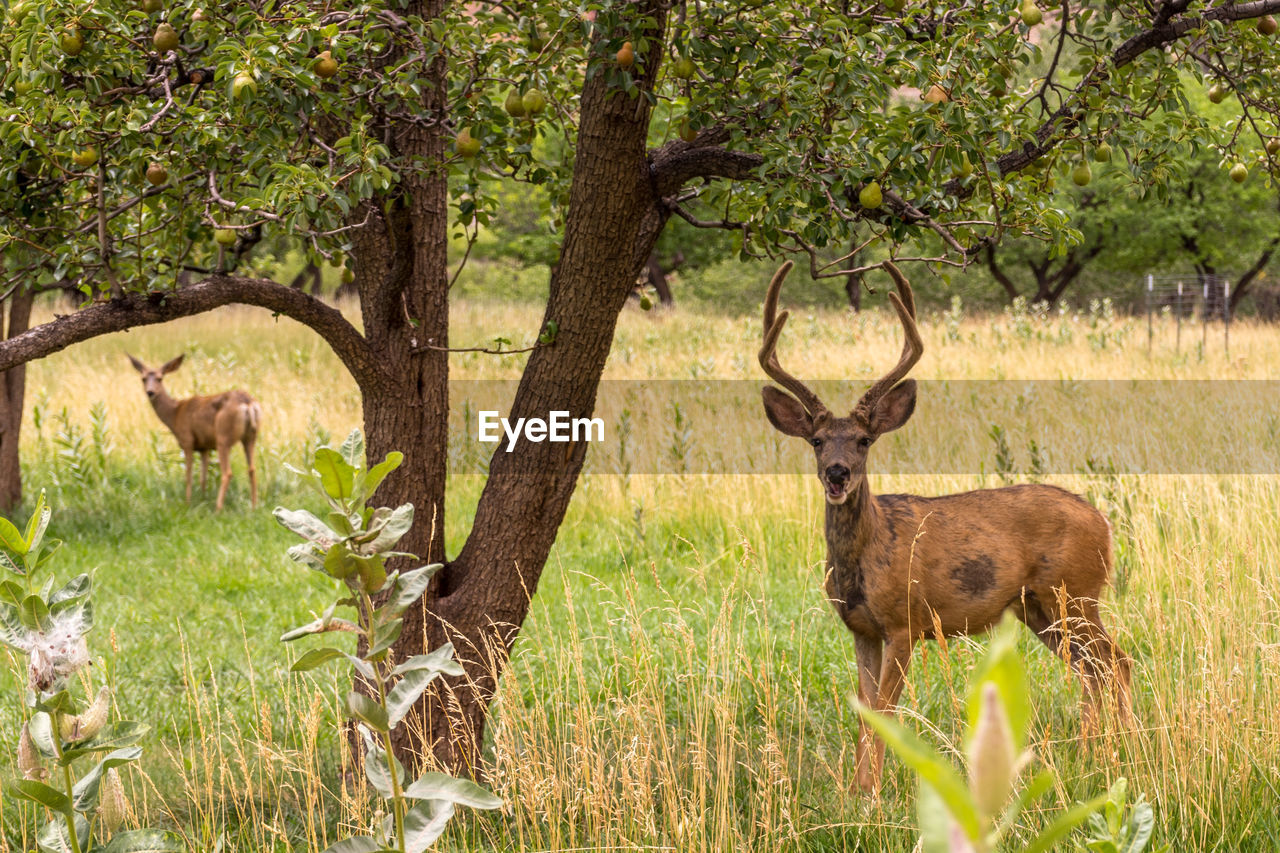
point(170, 366)
point(137, 365)
point(894, 408)
point(786, 414)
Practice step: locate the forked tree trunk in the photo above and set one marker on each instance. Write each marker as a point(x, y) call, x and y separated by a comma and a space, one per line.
point(13, 389)
point(480, 600)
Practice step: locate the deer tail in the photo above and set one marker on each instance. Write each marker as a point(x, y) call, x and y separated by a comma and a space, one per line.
point(253, 414)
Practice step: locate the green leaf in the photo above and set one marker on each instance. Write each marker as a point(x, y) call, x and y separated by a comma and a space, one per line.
point(11, 593)
point(53, 837)
point(442, 786)
point(396, 526)
point(375, 475)
point(934, 819)
point(439, 659)
point(1002, 666)
point(1064, 824)
point(355, 844)
point(34, 613)
point(316, 658)
point(406, 692)
point(352, 449)
point(338, 562)
point(113, 736)
point(77, 587)
point(375, 765)
point(368, 711)
point(36, 525)
point(336, 474)
point(12, 632)
point(84, 795)
point(929, 765)
point(307, 526)
point(11, 538)
point(39, 792)
point(40, 727)
point(53, 546)
point(408, 588)
point(144, 841)
point(424, 824)
point(384, 636)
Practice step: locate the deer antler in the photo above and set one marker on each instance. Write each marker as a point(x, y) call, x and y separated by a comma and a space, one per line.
point(773, 323)
point(912, 346)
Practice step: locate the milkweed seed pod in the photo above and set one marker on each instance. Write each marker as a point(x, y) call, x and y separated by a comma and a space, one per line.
point(86, 725)
point(992, 759)
point(113, 807)
point(29, 762)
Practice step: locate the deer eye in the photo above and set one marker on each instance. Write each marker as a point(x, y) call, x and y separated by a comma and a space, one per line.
point(865, 441)
point(816, 442)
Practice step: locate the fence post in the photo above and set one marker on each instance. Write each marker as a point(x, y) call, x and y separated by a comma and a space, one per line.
point(1177, 347)
point(1151, 283)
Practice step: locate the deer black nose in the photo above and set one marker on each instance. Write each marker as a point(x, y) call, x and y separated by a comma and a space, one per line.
point(837, 474)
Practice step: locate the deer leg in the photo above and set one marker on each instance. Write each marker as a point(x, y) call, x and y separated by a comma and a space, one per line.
point(253, 470)
point(1107, 660)
point(893, 675)
point(870, 653)
point(189, 458)
point(204, 473)
point(224, 465)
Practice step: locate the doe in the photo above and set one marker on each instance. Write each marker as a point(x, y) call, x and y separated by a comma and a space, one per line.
point(901, 568)
point(201, 424)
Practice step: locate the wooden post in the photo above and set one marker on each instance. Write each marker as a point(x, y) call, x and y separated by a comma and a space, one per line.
point(1151, 283)
point(1204, 319)
point(1178, 340)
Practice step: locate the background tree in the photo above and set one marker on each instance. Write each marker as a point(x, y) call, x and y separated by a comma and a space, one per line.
point(133, 153)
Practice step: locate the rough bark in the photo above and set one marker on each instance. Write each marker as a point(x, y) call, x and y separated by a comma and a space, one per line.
point(483, 596)
point(13, 383)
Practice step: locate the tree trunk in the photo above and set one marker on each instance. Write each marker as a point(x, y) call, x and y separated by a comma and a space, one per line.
point(13, 389)
point(481, 599)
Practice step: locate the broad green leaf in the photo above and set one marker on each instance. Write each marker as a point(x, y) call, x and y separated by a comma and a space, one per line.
point(316, 658)
point(51, 548)
point(424, 824)
point(355, 844)
point(464, 792)
point(384, 636)
point(375, 475)
point(12, 631)
point(375, 765)
point(39, 792)
point(352, 449)
point(40, 727)
point(112, 736)
point(85, 793)
point(934, 819)
point(307, 526)
point(77, 587)
point(396, 526)
point(929, 765)
point(339, 562)
point(144, 841)
point(36, 525)
point(1064, 824)
point(34, 613)
point(368, 711)
point(7, 562)
point(1002, 666)
point(336, 474)
point(408, 588)
point(53, 837)
point(11, 593)
point(11, 538)
point(1142, 822)
point(439, 659)
point(406, 692)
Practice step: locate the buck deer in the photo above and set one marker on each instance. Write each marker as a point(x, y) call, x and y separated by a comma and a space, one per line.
point(901, 568)
point(215, 422)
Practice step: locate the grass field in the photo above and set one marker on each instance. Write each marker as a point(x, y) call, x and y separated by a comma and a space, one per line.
point(680, 683)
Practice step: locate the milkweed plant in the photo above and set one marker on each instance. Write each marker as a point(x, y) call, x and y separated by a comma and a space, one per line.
point(352, 545)
point(67, 727)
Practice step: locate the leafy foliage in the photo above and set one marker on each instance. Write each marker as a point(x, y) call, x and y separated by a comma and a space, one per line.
point(48, 626)
point(353, 547)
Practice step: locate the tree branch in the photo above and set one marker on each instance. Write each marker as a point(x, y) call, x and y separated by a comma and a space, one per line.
point(676, 163)
point(144, 309)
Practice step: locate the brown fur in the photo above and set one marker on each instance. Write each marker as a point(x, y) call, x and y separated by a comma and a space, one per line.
point(902, 567)
point(201, 424)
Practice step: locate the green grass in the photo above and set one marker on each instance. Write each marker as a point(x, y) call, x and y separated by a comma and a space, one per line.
point(680, 682)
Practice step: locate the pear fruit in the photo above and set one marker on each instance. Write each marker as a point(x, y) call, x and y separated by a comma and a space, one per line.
point(871, 196)
point(157, 174)
point(325, 65)
point(1239, 173)
point(165, 38)
point(626, 55)
point(225, 237)
point(1031, 14)
point(1081, 175)
point(71, 41)
point(534, 102)
point(85, 157)
point(514, 104)
point(468, 146)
